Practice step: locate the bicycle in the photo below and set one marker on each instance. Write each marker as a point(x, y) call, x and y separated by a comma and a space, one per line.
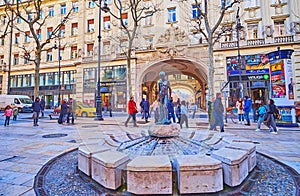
point(230, 114)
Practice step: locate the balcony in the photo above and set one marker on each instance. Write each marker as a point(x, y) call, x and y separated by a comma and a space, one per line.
point(284, 39)
point(255, 42)
point(231, 44)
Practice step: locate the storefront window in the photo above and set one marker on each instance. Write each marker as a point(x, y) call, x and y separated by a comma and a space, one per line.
point(13, 81)
point(32, 80)
point(89, 76)
point(49, 79)
point(120, 73)
point(26, 80)
point(42, 79)
point(19, 81)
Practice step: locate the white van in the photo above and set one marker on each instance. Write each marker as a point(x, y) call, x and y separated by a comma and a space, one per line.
point(22, 102)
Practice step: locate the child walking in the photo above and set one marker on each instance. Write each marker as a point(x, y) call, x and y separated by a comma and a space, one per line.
point(262, 111)
point(15, 113)
point(7, 114)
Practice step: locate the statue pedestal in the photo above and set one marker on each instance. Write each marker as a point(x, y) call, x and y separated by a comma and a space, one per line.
point(171, 130)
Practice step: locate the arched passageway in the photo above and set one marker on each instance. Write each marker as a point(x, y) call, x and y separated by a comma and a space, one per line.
point(188, 80)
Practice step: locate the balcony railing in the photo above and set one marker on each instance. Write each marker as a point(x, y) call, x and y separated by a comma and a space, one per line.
point(229, 44)
point(284, 39)
point(255, 42)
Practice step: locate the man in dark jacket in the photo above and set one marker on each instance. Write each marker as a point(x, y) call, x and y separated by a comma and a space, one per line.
point(146, 109)
point(170, 107)
point(218, 113)
point(36, 106)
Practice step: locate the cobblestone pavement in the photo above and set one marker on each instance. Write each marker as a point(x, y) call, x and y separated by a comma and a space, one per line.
point(25, 148)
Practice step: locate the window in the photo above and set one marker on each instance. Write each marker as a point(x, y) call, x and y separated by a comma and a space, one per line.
point(42, 79)
point(251, 3)
point(2, 40)
point(49, 32)
point(63, 9)
point(51, 11)
point(19, 20)
point(172, 15)
point(75, 6)
point(61, 53)
point(26, 58)
point(41, 14)
point(26, 80)
point(73, 52)
point(30, 16)
point(74, 29)
point(106, 22)
point(16, 59)
point(196, 11)
point(91, 4)
point(107, 1)
point(125, 18)
point(252, 31)
point(106, 48)
point(39, 34)
point(3, 18)
point(27, 36)
point(49, 79)
point(279, 28)
point(2, 59)
point(17, 38)
point(89, 75)
point(148, 18)
point(90, 48)
point(225, 3)
point(62, 31)
point(91, 27)
point(49, 55)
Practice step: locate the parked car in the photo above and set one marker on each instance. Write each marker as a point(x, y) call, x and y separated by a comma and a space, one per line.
point(297, 105)
point(82, 110)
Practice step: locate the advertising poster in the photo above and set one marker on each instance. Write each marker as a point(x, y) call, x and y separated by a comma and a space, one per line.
point(278, 79)
point(289, 79)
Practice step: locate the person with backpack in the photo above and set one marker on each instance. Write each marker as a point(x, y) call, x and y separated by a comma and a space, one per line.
point(262, 111)
point(240, 106)
point(270, 118)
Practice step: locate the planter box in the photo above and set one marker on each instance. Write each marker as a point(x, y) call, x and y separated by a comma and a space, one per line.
point(85, 153)
point(107, 168)
point(250, 148)
point(235, 165)
point(199, 174)
point(149, 175)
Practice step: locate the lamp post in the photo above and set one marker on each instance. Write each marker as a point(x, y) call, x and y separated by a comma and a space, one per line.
point(238, 28)
point(98, 97)
point(59, 86)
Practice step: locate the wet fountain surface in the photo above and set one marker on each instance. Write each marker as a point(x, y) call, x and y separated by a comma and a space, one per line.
point(60, 176)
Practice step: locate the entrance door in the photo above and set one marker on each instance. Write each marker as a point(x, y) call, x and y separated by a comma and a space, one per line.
point(259, 94)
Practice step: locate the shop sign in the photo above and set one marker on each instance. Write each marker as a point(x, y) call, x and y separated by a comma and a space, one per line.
point(250, 77)
point(257, 71)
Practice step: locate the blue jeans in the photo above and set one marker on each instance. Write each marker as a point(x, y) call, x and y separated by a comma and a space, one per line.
point(246, 115)
point(260, 120)
point(172, 115)
point(70, 114)
point(241, 117)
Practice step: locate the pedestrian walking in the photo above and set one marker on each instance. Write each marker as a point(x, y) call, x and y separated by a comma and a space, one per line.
point(15, 113)
point(178, 110)
point(146, 109)
point(240, 107)
point(142, 107)
point(7, 113)
point(63, 112)
point(184, 114)
point(36, 106)
point(171, 112)
point(269, 118)
point(43, 104)
point(261, 112)
point(247, 109)
point(110, 109)
point(71, 113)
point(132, 110)
point(154, 108)
point(218, 113)
point(255, 107)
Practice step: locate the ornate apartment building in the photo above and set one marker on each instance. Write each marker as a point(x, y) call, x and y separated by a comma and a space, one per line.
point(165, 42)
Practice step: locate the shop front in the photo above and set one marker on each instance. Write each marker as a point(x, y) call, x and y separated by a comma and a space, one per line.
point(113, 87)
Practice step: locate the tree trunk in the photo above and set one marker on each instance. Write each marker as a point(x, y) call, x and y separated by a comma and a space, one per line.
point(211, 71)
point(36, 74)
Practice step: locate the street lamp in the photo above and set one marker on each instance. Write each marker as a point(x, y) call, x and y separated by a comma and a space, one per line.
point(238, 28)
point(59, 86)
point(99, 98)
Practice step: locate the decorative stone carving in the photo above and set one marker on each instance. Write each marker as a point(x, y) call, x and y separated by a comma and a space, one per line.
point(268, 31)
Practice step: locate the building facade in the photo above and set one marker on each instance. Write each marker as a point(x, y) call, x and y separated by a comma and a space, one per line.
point(165, 42)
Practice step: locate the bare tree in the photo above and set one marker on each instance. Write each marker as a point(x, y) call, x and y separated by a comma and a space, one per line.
point(30, 12)
point(136, 11)
point(208, 21)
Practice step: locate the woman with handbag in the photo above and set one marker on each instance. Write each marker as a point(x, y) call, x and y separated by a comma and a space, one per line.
point(240, 106)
